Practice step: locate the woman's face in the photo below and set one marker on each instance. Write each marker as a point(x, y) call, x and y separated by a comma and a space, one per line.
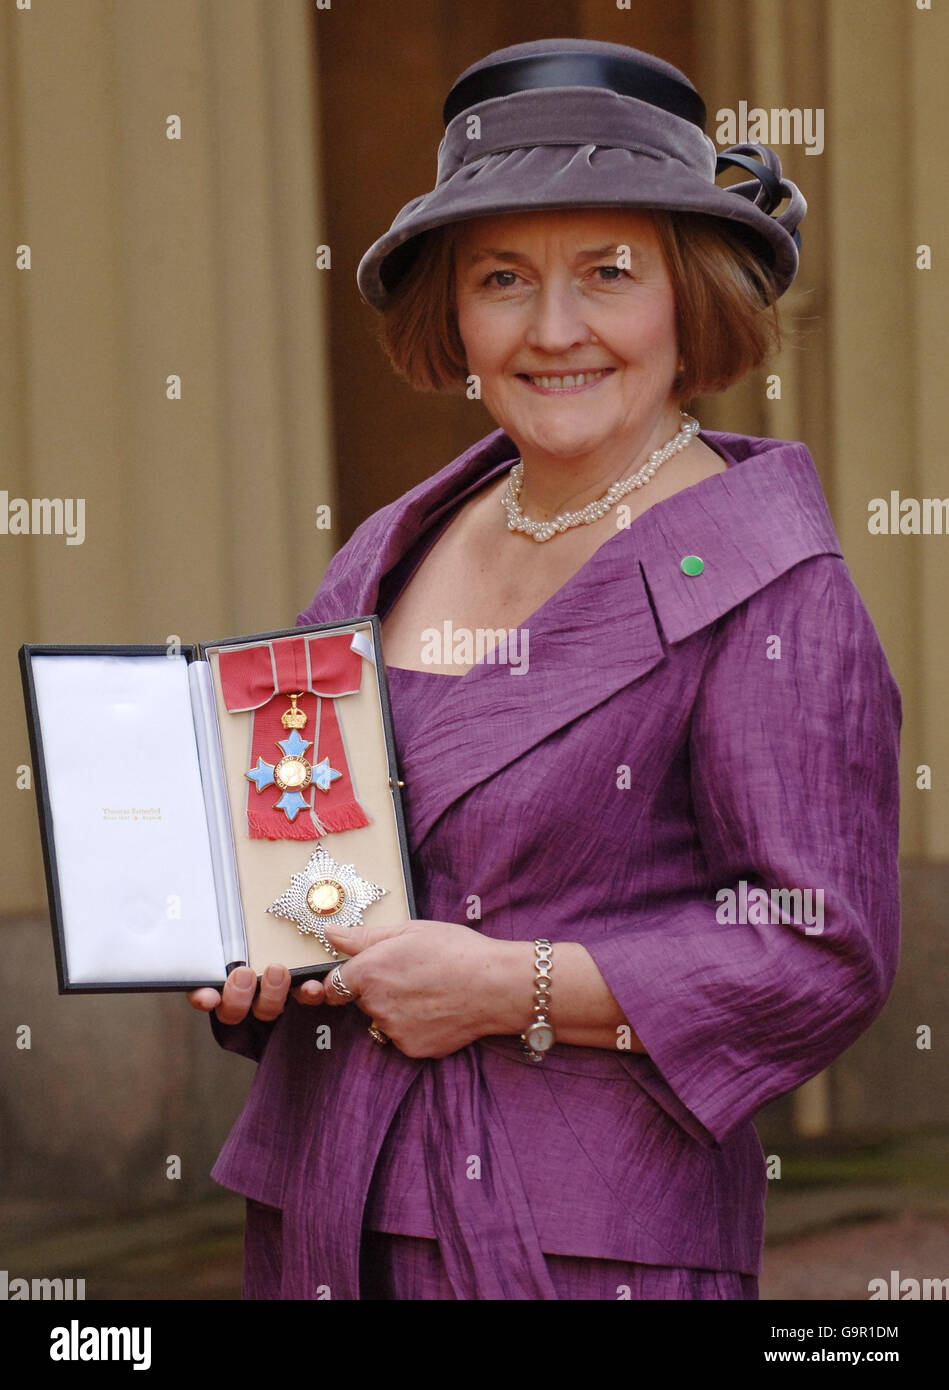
point(541, 294)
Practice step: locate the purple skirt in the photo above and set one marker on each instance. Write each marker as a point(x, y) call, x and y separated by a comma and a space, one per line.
point(410, 1267)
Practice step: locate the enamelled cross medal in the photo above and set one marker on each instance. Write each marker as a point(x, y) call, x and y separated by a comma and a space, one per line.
point(292, 773)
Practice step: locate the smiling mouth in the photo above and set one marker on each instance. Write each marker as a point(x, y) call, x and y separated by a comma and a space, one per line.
point(563, 385)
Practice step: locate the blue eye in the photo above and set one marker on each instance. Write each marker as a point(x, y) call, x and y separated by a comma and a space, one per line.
point(488, 278)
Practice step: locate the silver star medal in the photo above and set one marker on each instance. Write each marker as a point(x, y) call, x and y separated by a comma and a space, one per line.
point(326, 894)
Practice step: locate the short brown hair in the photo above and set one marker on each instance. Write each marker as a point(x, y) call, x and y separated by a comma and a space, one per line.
point(726, 308)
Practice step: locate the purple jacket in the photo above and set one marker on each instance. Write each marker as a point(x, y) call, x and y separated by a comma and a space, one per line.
point(675, 735)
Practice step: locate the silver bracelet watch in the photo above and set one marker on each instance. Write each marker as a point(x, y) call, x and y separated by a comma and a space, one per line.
point(539, 1036)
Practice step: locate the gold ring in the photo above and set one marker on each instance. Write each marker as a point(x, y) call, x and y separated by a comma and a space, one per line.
point(377, 1035)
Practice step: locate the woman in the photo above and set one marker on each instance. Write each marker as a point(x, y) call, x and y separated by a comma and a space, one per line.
point(672, 773)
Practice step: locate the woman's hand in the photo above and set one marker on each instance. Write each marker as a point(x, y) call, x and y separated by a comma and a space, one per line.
point(238, 997)
point(431, 986)
point(435, 987)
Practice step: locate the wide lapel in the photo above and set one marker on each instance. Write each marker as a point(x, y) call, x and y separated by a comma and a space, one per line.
point(612, 622)
point(748, 525)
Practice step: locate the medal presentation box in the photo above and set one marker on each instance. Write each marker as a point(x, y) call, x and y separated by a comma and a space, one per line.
point(214, 805)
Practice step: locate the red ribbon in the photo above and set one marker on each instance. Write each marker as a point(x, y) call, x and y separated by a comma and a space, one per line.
point(324, 668)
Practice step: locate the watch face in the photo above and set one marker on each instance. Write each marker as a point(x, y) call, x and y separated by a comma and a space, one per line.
point(540, 1036)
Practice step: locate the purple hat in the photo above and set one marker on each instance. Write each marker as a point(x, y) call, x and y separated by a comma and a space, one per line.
point(574, 123)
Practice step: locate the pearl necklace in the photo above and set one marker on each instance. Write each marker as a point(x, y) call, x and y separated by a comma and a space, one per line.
point(543, 530)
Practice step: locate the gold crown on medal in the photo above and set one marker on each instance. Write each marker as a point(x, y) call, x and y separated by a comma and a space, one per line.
point(293, 718)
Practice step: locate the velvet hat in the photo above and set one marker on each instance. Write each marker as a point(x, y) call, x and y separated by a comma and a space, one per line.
point(562, 123)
